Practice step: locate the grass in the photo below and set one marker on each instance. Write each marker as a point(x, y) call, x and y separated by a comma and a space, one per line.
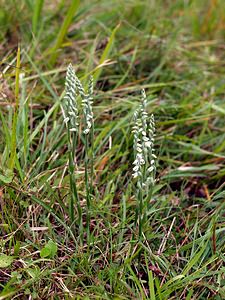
point(173, 50)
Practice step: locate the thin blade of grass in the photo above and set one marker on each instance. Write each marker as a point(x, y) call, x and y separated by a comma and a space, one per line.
point(106, 53)
point(15, 116)
point(38, 5)
point(50, 210)
point(151, 284)
point(194, 260)
point(66, 23)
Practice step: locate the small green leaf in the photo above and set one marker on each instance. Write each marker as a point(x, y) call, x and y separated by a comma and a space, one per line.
point(7, 176)
point(34, 272)
point(49, 250)
point(17, 248)
point(27, 291)
point(5, 260)
point(53, 247)
point(45, 252)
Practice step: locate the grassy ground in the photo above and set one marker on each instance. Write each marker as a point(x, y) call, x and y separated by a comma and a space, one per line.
point(173, 49)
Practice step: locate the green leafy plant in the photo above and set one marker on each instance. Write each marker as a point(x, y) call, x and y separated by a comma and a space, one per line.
point(5, 260)
point(49, 250)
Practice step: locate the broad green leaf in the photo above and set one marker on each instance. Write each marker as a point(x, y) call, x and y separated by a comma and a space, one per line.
point(49, 250)
point(45, 252)
point(5, 260)
point(5, 179)
point(6, 176)
point(53, 247)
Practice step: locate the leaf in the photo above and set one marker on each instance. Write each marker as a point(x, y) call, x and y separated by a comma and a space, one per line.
point(5, 179)
point(15, 115)
point(106, 53)
point(6, 176)
point(38, 5)
point(34, 272)
point(5, 260)
point(45, 252)
point(53, 247)
point(64, 28)
point(49, 250)
point(218, 108)
point(17, 248)
point(196, 257)
point(151, 285)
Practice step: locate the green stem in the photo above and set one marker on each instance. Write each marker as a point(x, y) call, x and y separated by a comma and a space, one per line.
point(92, 160)
point(87, 190)
point(140, 201)
point(73, 187)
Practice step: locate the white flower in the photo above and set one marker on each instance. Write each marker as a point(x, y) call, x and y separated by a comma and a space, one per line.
point(148, 144)
point(73, 129)
point(86, 131)
point(66, 120)
point(150, 169)
point(135, 175)
point(143, 130)
point(71, 111)
point(136, 168)
point(87, 107)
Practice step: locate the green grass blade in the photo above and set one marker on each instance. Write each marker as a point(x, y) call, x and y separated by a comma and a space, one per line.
point(15, 116)
point(7, 135)
point(50, 210)
point(105, 53)
point(157, 284)
point(136, 281)
point(37, 15)
point(195, 259)
point(67, 21)
point(151, 285)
